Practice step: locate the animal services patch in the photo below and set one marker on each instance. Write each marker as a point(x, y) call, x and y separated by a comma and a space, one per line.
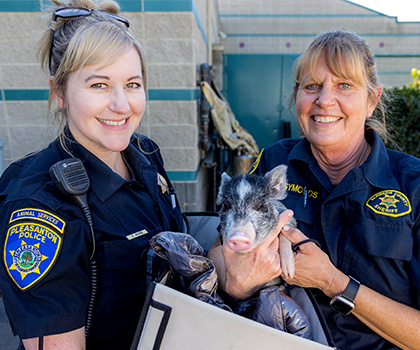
point(389, 203)
point(33, 243)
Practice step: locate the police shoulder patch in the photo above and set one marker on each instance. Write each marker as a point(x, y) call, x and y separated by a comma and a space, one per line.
point(256, 162)
point(389, 203)
point(33, 242)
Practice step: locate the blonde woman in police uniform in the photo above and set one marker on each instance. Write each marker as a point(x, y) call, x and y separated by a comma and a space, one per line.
point(98, 82)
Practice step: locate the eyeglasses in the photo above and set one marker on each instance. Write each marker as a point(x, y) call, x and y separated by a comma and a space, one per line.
point(75, 12)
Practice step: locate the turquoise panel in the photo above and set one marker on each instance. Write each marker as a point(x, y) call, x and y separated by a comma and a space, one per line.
point(182, 176)
point(126, 5)
point(153, 94)
point(130, 5)
point(19, 6)
point(287, 85)
point(309, 35)
point(26, 95)
point(173, 95)
point(168, 5)
point(257, 87)
point(297, 15)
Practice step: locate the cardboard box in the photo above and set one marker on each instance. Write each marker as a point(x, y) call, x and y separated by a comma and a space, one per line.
point(175, 321)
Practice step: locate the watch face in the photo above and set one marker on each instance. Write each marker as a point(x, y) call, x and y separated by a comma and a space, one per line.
point(342, 305)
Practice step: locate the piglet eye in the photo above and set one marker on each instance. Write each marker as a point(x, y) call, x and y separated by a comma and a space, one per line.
point(226, 205)
point(259, 206)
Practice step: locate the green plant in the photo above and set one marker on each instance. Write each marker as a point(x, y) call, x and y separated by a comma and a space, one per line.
point(404, 115)
point(416, 77)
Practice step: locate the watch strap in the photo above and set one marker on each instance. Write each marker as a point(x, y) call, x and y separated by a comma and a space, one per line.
point(351, 289)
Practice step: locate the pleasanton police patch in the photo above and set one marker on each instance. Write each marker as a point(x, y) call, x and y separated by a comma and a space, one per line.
point(39, 214)
point(32, 247)
point(389, 203)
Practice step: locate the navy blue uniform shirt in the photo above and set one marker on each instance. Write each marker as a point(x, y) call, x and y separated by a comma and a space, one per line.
point(46, 243)
point(368, 224)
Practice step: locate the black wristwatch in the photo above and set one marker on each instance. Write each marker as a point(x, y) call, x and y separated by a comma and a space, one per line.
point(344, 303)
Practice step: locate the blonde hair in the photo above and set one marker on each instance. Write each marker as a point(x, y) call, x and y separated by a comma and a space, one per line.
point(84, 41)
point(349, 56)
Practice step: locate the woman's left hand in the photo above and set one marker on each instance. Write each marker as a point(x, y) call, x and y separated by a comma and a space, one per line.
point(313, 268)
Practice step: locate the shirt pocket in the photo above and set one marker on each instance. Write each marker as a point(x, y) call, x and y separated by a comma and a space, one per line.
point(177, 221)
point(304, 212)
point(121, 275)
point(122, 255)
point(383, 239)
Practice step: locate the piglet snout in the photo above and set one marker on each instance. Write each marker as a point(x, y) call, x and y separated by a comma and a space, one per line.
point(241, 241)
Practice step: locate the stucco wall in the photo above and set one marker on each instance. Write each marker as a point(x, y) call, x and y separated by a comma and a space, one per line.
point(286, 27)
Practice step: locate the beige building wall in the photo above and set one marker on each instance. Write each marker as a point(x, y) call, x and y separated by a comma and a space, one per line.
point(23, 126)
point(286, 27)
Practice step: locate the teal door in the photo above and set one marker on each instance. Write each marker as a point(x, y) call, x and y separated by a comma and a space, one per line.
point(258, 88)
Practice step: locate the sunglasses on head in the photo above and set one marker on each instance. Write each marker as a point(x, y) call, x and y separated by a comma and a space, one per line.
point(75, 12)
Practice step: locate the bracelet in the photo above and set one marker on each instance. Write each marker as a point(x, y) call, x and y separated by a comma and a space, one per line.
point(296, 246)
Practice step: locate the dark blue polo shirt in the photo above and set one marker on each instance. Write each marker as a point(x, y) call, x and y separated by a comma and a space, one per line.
point(368, 224)
point(46, 243)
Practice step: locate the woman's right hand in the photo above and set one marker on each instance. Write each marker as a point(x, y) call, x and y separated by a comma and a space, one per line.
point(73, 340)
point(243, 274)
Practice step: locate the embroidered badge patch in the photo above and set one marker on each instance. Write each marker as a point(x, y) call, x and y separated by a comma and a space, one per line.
point(32, 246)
point(256, 162)
point(389, 203)
point(162, 184)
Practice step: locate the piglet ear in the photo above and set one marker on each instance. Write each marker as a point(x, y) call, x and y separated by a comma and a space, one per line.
point(277, 181)
point(223, 182)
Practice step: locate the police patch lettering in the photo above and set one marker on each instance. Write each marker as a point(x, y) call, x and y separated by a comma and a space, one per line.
point(389, 203)
point(33, 243)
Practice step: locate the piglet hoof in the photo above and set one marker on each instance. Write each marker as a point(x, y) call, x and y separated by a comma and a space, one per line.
point(287, 259)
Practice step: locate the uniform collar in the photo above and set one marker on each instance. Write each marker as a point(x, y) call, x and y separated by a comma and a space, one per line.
point(376, 169)
point(103, 180)
point(302, 152)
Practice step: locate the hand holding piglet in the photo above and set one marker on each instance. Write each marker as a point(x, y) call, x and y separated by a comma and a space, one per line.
point(246, 273)
point(249, 221)
point(313, 268)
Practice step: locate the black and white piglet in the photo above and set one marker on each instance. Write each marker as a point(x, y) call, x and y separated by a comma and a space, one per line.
point(250, 206)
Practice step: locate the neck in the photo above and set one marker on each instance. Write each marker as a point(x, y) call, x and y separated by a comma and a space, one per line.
point(117, 164)
point(337, 165)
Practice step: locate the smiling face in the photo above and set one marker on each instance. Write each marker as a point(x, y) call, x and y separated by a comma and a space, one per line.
point(105, 103)
point(331, 110)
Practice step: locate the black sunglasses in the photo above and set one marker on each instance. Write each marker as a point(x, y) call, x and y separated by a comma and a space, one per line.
point(74, 12)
